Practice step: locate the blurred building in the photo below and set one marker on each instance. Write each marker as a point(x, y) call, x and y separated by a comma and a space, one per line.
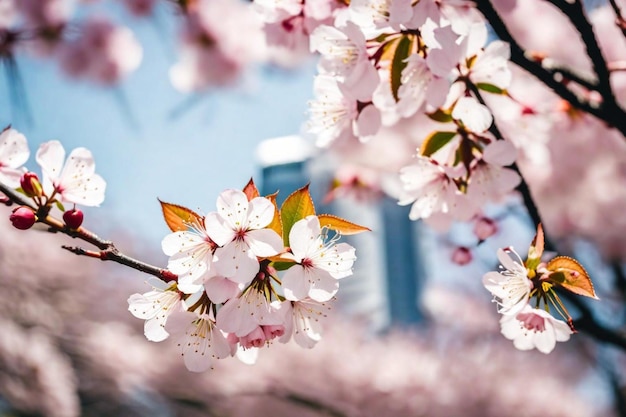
point(385, 287)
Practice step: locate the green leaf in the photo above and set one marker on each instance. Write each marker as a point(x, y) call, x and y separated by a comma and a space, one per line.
point(398, 63)
point(297, 206)
point(490, 88)
point(250, 190)
point(571, 275)
point(435, 141)
point(440, 116)
point(535, 251)
point(283, 266)
point(341, 225)
point(178, 218)
point(59, 205)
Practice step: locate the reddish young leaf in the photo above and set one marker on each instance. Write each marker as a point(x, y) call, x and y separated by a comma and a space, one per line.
point(535, 251)
point(570, 274)
point(178, 217)
point(297, 206)
point(341, 225)
point(250, 190)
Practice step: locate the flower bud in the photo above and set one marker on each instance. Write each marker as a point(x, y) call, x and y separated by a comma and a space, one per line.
point(23, 218)
point(484, 228)
point(462, 256)
point(73, 218)
point(31, 185)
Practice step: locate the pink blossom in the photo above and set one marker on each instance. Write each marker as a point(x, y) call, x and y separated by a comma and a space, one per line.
point(238, 227)
point(510, 286)
point(104, 53)
point(534, 328)
point(72, 181)
point(14, 153)
point(155, 307)
point(320, 262)
point(200, 341)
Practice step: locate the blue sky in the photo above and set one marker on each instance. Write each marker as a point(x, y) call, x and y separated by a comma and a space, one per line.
point(186, 158)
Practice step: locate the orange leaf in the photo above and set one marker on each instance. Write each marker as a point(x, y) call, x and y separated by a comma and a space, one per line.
point(250, 190)
point(341, 225)
point(178, 218)
point(276, 224)
point(570, 274)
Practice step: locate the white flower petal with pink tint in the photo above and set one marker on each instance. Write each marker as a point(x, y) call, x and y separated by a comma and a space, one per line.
point(191, 257)
point(304, 322)
point(427, 186)
point(475, 116)
point(370, 14)
point(500, 152)
point(243, 314)
point(344, 56)
point(492, 65)
point(220, 289)
point(445, 53)
point(331, 113)
point(155, 307)
point(200, 341)
point(274, 11)
point(76, 180)
point(510, 287)
point(368, 123)
point(415, 80)
point(237, 226)
point(14, 153)
point(534, 328)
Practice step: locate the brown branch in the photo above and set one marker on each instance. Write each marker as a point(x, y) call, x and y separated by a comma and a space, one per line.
point(607, 111)
point(619, 19)
point(108, 251)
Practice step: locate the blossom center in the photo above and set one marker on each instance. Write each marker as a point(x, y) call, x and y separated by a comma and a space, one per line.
point(532, 322)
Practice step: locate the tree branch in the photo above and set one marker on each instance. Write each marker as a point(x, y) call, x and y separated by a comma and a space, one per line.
point(108, 251)
point(609, 112)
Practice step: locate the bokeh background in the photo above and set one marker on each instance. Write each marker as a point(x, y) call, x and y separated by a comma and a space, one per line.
point(410, 338)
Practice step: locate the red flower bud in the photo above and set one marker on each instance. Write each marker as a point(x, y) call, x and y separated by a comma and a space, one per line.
point(23, 218)
point(31, 185)
point(73, 218)
point(484, 228)
point(462, 256)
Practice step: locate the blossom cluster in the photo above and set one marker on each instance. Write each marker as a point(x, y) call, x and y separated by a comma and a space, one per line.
point(248, 274)
point(519, 281)
point(72, 180)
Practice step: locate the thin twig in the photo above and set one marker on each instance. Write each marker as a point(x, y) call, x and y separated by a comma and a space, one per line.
point(619, 19)
point(108, 251)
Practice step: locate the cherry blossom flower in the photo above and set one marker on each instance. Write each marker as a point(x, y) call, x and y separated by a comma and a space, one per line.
point(428, 187)
point(320, 262)
point(155, 307)
point(490, 180)
point(510, 287)
point(344, 56)
point(534, 328)
point(475, 116)
point(241, 315)
point(377, 14)
point(419, 86)
point(332, 113)
point(491, 66)
point(200, 341)
point(239, 228)
point(104, 53)
point(74, 181)
point(14, 153)
point(191, 257)
point(304, 322)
